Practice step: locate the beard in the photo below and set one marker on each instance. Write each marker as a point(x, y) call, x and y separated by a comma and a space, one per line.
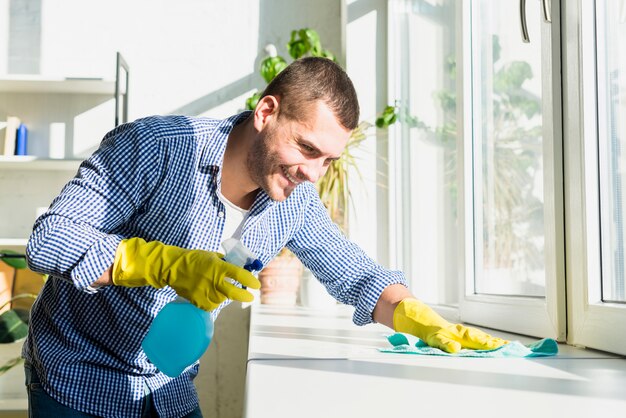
point(264, 166)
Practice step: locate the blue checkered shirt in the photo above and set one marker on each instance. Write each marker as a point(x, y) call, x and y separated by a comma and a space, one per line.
point(157, 178)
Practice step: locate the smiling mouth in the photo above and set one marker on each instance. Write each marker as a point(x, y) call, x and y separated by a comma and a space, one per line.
point(289, 177)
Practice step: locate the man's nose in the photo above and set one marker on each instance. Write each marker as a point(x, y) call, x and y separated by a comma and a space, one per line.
point(312, 171)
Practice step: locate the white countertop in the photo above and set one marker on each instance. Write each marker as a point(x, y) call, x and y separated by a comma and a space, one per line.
point(306, 363)
point(294, 332)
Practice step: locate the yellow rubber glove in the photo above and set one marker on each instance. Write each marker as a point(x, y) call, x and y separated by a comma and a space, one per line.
point(199, 276)
point(413, 317)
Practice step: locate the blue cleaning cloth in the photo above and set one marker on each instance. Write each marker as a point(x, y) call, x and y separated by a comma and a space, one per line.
point(409, 344)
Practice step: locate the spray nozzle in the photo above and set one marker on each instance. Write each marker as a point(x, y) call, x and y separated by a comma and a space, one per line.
point(236, 253)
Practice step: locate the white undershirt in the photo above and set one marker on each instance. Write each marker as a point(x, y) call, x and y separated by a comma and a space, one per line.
point(233, 218)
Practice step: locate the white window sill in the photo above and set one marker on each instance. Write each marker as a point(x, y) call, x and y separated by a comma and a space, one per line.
point(309, 363)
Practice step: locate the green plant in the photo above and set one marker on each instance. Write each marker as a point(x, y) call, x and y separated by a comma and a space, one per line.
point(13, 259)
point(332, 187)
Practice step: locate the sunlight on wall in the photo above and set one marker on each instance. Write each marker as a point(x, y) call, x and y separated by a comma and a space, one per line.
point(90, 127)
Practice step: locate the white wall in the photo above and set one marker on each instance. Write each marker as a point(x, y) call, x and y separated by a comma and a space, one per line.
point(195, 57)
point(201, 57)
point(185, 56)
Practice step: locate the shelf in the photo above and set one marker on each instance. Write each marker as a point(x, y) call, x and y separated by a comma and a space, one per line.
point(13, 242)
point(30, 162)
point(39, 84)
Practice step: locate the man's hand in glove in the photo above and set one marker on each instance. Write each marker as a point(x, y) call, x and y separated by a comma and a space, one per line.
point(413, 317)
point(199, 276)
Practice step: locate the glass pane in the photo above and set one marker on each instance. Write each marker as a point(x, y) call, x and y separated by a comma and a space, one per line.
point(508, 151)
point(428, 112)
point(611, 36)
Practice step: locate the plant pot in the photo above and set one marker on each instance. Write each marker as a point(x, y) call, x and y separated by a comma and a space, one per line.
point(280, 280)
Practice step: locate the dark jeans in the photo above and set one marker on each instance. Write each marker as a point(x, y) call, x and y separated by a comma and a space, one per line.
point(42, 405)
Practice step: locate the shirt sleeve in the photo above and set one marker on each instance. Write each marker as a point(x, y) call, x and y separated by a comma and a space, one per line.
point(76, 238)
point(348, 274)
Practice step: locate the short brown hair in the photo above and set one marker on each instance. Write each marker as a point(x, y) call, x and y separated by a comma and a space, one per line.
point(309, 79)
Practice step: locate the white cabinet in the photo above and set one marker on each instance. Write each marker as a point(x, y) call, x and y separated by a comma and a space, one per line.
point(85, 108)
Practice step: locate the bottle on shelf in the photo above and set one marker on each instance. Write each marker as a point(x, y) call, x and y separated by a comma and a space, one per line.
point(21, 140)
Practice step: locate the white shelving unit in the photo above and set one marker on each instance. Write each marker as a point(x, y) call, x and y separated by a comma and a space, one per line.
point(88, 108)
point(67, 85)
point(12, 243)
point(30, 162)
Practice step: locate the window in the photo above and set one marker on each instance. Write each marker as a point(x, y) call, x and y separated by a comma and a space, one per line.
point(512, 158)
point(423, 40)
point(507, 133)
point(478, 161)
point(594, 163)
point(611, 79)
point(515, 151)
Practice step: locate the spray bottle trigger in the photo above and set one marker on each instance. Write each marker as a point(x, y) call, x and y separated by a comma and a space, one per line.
point(256, 265)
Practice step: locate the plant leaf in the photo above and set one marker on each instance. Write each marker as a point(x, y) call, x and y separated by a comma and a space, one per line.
point(313, 40)
point(297, 48)
point(271, 66)
point(387, 117)
point(12, 327)
point(13, 259)
point(10, 364)
point(252, 101)
point(327, 54)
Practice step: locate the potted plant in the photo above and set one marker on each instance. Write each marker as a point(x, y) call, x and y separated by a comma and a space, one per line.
point(333, 186)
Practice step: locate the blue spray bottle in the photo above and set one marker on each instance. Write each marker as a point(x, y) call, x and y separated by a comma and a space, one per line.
point(181, 332)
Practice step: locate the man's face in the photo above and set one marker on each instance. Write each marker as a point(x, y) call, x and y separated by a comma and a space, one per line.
point(288, 152)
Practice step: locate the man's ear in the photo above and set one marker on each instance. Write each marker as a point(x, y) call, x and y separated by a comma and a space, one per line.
point(266, 110)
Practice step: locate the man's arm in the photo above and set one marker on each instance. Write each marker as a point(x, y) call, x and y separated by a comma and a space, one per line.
point(75, 240)
point(398, 309)
point(387, 303)
point(106, 279)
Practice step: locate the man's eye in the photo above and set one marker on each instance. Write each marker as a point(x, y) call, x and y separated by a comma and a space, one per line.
point(307, 148)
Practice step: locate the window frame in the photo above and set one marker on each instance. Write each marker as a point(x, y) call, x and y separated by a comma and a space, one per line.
point(592, 322)
point(525, 315)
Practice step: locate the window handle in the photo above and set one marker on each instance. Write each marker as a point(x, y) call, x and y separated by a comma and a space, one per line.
point(547, 16)
point(522, 14)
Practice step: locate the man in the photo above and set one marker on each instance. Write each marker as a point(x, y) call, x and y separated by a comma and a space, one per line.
point(143, 217)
